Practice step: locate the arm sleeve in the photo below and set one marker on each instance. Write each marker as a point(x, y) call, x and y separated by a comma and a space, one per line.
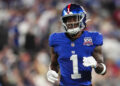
point(52, 40)
point(98, 39)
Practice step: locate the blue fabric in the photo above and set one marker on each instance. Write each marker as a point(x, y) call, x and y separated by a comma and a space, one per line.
point(82, 48)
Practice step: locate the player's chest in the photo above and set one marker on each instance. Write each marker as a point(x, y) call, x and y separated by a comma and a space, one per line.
point(81, 48)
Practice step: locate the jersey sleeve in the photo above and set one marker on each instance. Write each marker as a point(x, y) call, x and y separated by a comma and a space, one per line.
point(98, 39)
point(52, 40)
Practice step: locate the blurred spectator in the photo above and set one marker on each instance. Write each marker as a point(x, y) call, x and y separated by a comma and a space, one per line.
point(3, 34)
point(116, 16)
point(30, 42)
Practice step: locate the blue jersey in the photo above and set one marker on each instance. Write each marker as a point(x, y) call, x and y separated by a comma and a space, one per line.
point(70, 56)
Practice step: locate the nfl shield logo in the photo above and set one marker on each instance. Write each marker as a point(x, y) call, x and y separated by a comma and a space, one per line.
point(88, 41)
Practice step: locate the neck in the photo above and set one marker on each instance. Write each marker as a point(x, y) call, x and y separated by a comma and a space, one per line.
point(73, 37)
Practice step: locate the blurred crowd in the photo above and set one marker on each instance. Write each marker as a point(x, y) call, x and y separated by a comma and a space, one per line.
point(25, 26)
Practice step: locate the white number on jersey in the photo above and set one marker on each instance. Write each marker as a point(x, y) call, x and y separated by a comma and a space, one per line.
point(75, 74)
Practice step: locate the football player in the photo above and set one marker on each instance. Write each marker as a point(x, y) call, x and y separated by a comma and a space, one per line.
point(75, 51)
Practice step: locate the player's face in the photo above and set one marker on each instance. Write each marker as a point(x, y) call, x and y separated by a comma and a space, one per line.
point(71, 22)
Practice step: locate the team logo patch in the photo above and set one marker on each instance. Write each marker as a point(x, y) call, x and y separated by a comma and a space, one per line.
point(88, 41)
point(73, 44)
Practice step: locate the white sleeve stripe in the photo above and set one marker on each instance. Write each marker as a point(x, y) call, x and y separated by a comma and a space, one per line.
point(104, 68)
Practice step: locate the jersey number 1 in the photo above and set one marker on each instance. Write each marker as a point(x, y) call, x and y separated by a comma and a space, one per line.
point(75, 74)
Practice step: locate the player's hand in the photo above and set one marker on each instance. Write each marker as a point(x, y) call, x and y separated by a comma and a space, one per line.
point(89, 61)
point(52, 76)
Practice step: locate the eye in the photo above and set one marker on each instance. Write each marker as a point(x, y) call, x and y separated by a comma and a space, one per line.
point(70, 19)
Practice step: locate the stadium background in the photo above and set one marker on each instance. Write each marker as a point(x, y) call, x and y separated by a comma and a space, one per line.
point(25, 26)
